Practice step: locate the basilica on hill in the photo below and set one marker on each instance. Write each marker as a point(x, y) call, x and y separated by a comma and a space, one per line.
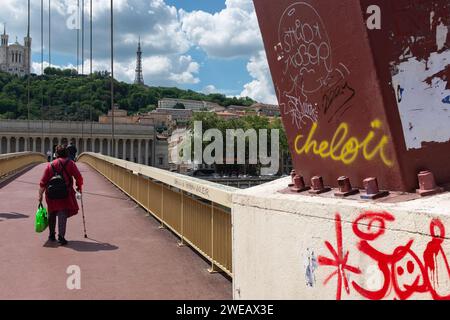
point(15, 58)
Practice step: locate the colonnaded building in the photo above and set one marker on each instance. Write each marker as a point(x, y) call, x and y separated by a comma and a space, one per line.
point(132, 142)
point(15, 58)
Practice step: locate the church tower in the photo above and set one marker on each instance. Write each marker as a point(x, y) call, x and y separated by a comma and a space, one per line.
point(139, 79)
point(4, 37)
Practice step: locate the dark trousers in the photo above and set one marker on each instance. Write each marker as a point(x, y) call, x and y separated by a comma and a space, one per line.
point(62, 222)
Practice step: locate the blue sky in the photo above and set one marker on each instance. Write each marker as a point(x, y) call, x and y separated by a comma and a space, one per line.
point(211, 6)
point(204, 45)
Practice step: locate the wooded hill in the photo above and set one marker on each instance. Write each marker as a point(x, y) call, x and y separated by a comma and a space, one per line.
point(65, 95)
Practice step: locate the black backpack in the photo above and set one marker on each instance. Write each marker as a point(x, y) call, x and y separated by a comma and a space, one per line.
point(57, 187)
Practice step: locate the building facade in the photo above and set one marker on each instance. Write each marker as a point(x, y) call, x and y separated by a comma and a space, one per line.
point(189, 104)
point(15, 58)
point(134, 143)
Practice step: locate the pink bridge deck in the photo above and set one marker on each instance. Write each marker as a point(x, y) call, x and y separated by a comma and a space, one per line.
point(126, 257)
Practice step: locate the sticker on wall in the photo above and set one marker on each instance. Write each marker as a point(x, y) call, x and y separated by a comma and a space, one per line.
point(310, 264)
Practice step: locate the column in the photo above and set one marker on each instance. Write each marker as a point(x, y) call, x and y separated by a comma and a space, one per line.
point(154, 152)
point(132, 150)
point(43, 145)
point(109, 148)
point(124, 145)
point(17, 144)
point(116, 149)
point(140, 152)
point(8, 144)
point(101, 146)
point(146, 153)
point(85, 145)
point(34, 145)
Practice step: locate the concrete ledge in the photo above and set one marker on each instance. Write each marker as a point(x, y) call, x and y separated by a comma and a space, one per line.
point(278, 239)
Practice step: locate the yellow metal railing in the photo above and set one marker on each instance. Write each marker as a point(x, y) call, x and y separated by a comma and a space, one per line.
point(197, 211)
point(11, 162)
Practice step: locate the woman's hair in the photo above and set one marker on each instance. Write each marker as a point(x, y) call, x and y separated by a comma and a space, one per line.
point(61, 151)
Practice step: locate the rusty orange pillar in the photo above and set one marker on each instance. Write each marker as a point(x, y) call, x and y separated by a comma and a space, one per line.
point(363, 87)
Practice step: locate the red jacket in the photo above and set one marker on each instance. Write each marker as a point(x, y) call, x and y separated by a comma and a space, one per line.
point(71, 171)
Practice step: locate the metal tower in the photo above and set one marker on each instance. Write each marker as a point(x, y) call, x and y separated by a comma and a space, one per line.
point(139, 77)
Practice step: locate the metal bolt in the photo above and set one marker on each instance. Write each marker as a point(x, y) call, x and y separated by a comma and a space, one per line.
point(371, 185)
point(426, 180)
point(293, 174)
point(372, 190)
point(317, 185)
point(345, 188)
point(299, 184)
point(427, 184)
point(344, 184)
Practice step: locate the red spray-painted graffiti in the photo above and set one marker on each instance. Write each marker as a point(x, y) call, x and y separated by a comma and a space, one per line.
point(403, 272)
point(339, 262)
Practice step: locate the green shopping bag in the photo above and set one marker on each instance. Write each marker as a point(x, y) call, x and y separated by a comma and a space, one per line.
point(41, 219)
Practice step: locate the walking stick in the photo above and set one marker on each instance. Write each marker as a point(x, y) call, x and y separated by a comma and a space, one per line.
point(84, 220)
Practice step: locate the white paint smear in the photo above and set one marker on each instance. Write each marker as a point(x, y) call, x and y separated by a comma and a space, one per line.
point(424, 114)
point(441, 35)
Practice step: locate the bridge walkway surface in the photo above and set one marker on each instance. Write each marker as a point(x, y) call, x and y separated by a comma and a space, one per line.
point(125, 257)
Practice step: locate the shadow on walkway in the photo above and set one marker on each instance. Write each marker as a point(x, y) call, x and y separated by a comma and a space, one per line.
point(84, 246)
point(12, 215)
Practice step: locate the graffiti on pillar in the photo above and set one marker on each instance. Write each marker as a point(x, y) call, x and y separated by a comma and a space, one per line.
point(305, 53)
point(402, 270)
point(345, 148)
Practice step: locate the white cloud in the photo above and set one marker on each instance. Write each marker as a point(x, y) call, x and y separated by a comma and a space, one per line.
point(232, 32)
point(261, 89)
point(167, 35)
point(209, 89)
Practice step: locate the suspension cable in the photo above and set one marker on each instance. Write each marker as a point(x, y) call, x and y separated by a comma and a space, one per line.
point(78, 36)
point(28, 48)
point(82, 36)
point(49, 48)
point(112, 78)
point(49, 34)
point(42, 75)
point(90, 70)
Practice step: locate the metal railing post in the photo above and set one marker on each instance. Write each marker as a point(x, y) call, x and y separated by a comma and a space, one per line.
point(162, 226)
point(181, 242)
point(213, 268)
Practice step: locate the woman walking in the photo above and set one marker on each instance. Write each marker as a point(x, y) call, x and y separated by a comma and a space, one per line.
point(57, 183)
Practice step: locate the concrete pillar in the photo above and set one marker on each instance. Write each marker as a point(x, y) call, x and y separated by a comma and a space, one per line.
point(43, 145)
point(153, 152)
point(132, 150)
point(8, 144)
point(85, 145)
point(146, 153)
point(34, 145)
point(109, 148)
point(116, 149)
point(101, 146)
point(124, 155)
point(17, 144)
point(140, 152)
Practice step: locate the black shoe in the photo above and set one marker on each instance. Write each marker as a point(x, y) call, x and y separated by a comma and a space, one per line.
point(52, 238)
point(62, 241)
